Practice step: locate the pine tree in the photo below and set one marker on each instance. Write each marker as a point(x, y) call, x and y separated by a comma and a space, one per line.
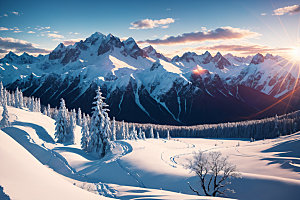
point(61, 123)
point(8, 97)
point(21, 101)
point(144, 135)
point(45, 111)
point(107, 134)
point(48, 110)
point(151, 132)
point(127, 132)
point(55, 113)
point(85, 133)
point(12, 99)
point(72, 126)
point(113, 130)
point(157, 135)
point(168, 135)
point(5, 117)
point(123, 130)
point(17, 100)
point(98, 142)
point(79, 117)
point(140, 133)
point(1, 93)
point(133, 134)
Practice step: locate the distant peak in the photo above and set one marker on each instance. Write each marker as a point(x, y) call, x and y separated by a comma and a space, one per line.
point(257, 59)
point(130, 39)
point(218, 54)
point(96, 34)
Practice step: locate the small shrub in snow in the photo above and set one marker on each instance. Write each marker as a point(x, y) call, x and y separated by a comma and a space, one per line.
point(214, 172)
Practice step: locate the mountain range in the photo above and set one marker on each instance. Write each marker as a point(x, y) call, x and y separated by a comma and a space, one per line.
point(142, 85)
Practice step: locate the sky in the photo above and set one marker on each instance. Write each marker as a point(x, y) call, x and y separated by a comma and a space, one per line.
point(240, 27)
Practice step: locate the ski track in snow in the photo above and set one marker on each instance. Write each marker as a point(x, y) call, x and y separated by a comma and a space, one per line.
point(134, 175)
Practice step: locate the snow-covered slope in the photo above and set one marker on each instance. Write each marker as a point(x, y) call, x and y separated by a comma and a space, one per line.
point(33, 166)
point(23, 177)
point(142, 169)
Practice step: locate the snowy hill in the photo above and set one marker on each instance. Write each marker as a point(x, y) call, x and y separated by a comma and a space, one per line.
point(142, 85)
point(33, 166)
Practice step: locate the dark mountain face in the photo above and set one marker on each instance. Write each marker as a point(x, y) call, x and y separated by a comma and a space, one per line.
point(206, 100)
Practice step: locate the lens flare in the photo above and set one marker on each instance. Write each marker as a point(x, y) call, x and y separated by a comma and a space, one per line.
point(295, 53)
point(199, 70)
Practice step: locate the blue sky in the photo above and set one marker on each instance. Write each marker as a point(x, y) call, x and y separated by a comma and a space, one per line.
point(45, 24)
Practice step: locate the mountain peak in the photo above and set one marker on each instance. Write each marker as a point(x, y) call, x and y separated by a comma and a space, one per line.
point(257, 59)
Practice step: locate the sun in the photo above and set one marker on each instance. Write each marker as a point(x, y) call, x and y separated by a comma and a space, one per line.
point(295, 53)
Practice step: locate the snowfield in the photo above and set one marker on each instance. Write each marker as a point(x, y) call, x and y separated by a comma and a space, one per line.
point(33, 166)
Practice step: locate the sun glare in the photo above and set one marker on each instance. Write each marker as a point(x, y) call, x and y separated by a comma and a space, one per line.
point(199, 70)
point(296, 54)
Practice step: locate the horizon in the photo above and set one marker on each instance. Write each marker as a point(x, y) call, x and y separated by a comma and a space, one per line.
point(240, 28)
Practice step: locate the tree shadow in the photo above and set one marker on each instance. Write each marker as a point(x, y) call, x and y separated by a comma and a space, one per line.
point(288, 154)
point(76, 151)
point(40, 131)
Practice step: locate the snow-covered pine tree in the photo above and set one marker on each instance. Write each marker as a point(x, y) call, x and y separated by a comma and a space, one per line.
point(72, 126)
point(113, 130)
point(98, 140)
point(85, 133)
point(140, 133)
point(79, 117)
point(151, 132)
point(61, 123)
point(21, 100)
point(5, 117)
point(1, 93)
point(45, 111)
point(107, 134)
point(12, 99)
point(36, 105)
point(133, 134)
point(144, 135)
point(168, 135)
point(127, 132)
point(8, 97)
point(123, 130)
point(31, 104)
point(55, 113)
point(39, 108)
point(157, 135)
point(17, 100)
point(48, 110)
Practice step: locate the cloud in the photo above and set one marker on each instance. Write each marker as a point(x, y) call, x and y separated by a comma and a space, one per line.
point(243, 49)
point(287, 10)
point(3, 29)
point(149, 23)
point(15, 13)
point(54, 35)
point(263, 14)
point(71, 41)
point(19, 46)
point(5, 15)
point(31, 32)
point(40, 28)
point(3, 51)
point(223, 33)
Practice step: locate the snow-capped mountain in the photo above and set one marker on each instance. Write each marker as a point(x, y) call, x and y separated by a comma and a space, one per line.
point(142, 85)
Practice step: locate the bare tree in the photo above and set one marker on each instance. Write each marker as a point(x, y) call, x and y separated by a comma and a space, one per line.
point(214, 172)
